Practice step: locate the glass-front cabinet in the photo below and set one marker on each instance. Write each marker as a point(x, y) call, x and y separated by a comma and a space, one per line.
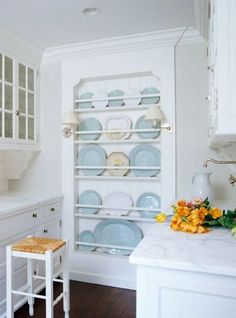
point(17, 101)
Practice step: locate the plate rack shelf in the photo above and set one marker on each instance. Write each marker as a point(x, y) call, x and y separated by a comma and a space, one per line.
point(106, 183)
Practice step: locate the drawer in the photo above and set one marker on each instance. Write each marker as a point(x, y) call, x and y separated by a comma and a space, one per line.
point(19, 223)
point(51, 210)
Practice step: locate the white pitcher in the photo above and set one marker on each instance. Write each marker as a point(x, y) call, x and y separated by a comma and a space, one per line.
point(202, 186)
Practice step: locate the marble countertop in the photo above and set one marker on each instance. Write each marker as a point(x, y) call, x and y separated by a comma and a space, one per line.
point(213, 252)
point(11, 202)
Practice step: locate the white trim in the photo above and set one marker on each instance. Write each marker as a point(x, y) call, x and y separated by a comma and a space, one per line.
point(120, 44)
point(102, 280)
point(23, 50)
point(201, 17)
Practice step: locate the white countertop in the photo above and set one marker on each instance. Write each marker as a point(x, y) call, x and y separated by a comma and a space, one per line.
point(213, 252)
point(13, 201)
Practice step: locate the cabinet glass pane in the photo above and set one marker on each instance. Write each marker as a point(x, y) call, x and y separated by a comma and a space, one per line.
point(0, 124)
point(22, 127)
point(31, 128)
point(22, 101)
point(8, 125)
point(8, 69)
point(22, 75)
point(0, 95)
point(30, 79)
point(0, 66)
point(8, 97)
point(30, 104)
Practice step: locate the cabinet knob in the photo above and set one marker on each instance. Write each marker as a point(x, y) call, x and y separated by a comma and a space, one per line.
point(210, 68)
point(45, 231)
point(53, 209)
point(34, 215)
point(17, 113)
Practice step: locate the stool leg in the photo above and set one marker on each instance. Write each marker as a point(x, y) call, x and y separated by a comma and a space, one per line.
point(10, 311)
point(30, 286)
point(49, 284)
point(66, 282)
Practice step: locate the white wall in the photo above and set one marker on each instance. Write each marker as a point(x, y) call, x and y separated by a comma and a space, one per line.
point(44, 173)
point(192, 123)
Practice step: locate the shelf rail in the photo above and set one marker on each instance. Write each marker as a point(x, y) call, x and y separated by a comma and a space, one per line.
point(121, 247)
point(133, 208)
point(105, 216)
point(119, 167)
point(103, 131)
point(107, 98)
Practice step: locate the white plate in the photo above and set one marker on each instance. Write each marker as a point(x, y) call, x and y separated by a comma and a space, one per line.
point(117, 159)
point(132, 101)
point(119, 200)
point(101, 103)
point(117, 122)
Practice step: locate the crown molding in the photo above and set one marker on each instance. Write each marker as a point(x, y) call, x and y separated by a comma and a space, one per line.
point(14, 45)
point(121, 44)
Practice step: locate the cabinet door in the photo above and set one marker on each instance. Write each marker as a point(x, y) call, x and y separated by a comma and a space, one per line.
point(7, 101)
point(52, 229)
point(26, 103)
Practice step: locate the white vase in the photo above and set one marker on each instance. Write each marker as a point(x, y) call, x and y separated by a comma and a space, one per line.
point(202, 186)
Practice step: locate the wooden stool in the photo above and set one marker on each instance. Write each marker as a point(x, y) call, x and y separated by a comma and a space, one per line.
point(39, 248)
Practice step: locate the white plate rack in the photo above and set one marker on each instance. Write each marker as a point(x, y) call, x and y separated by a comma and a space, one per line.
point(82, 182)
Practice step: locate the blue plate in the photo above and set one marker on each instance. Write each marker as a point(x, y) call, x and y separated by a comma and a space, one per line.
point(88, 237)
point(148, 200)
point(90, 197)
point(117, 232)
point(145, 155)
point(92, 155)
point(89, 124)
point(141, 123)
point(116, 102)
point(86, 95)
point(150, 100)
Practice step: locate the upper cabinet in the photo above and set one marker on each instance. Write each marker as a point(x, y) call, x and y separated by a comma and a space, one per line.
point(222, 72)
point(18, 98)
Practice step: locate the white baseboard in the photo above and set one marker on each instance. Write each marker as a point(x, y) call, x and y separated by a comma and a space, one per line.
point(103, 280)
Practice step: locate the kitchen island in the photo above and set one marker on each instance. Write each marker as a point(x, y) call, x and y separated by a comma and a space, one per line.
point(181, 275)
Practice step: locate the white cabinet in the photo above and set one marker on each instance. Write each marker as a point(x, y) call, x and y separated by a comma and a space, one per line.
point(18, 99)
point(222, 71)
point(38, 220)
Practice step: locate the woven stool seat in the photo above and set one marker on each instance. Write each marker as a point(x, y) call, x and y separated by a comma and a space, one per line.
point(37, 245)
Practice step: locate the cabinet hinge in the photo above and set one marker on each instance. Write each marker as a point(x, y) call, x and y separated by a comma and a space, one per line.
point(60, 259)
point(60, 222)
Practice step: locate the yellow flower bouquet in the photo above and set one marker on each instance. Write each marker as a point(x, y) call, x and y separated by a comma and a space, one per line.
point(197, 216)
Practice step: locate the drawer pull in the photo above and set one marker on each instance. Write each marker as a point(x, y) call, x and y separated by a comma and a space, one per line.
point(45, 231)
point(34, 215)
point(53, 209)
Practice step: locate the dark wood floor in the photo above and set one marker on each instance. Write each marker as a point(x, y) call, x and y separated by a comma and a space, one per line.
point(89, 301)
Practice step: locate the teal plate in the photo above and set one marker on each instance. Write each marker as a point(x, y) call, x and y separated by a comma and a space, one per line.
point(148, 200)
point(87, 237)
point(86, 95)
point(90, 197)
point(150, 100)
point(117, 232)
point(145, 155)
point(89, 124)
point(92, 155)
point(141, 123)
point(116, 102)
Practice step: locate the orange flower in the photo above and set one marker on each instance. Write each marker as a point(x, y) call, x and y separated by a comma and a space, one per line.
point(216, 213)
point(183, 211)
point(181, 203)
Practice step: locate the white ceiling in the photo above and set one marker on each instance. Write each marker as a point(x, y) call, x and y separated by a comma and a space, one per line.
point(48, 23)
